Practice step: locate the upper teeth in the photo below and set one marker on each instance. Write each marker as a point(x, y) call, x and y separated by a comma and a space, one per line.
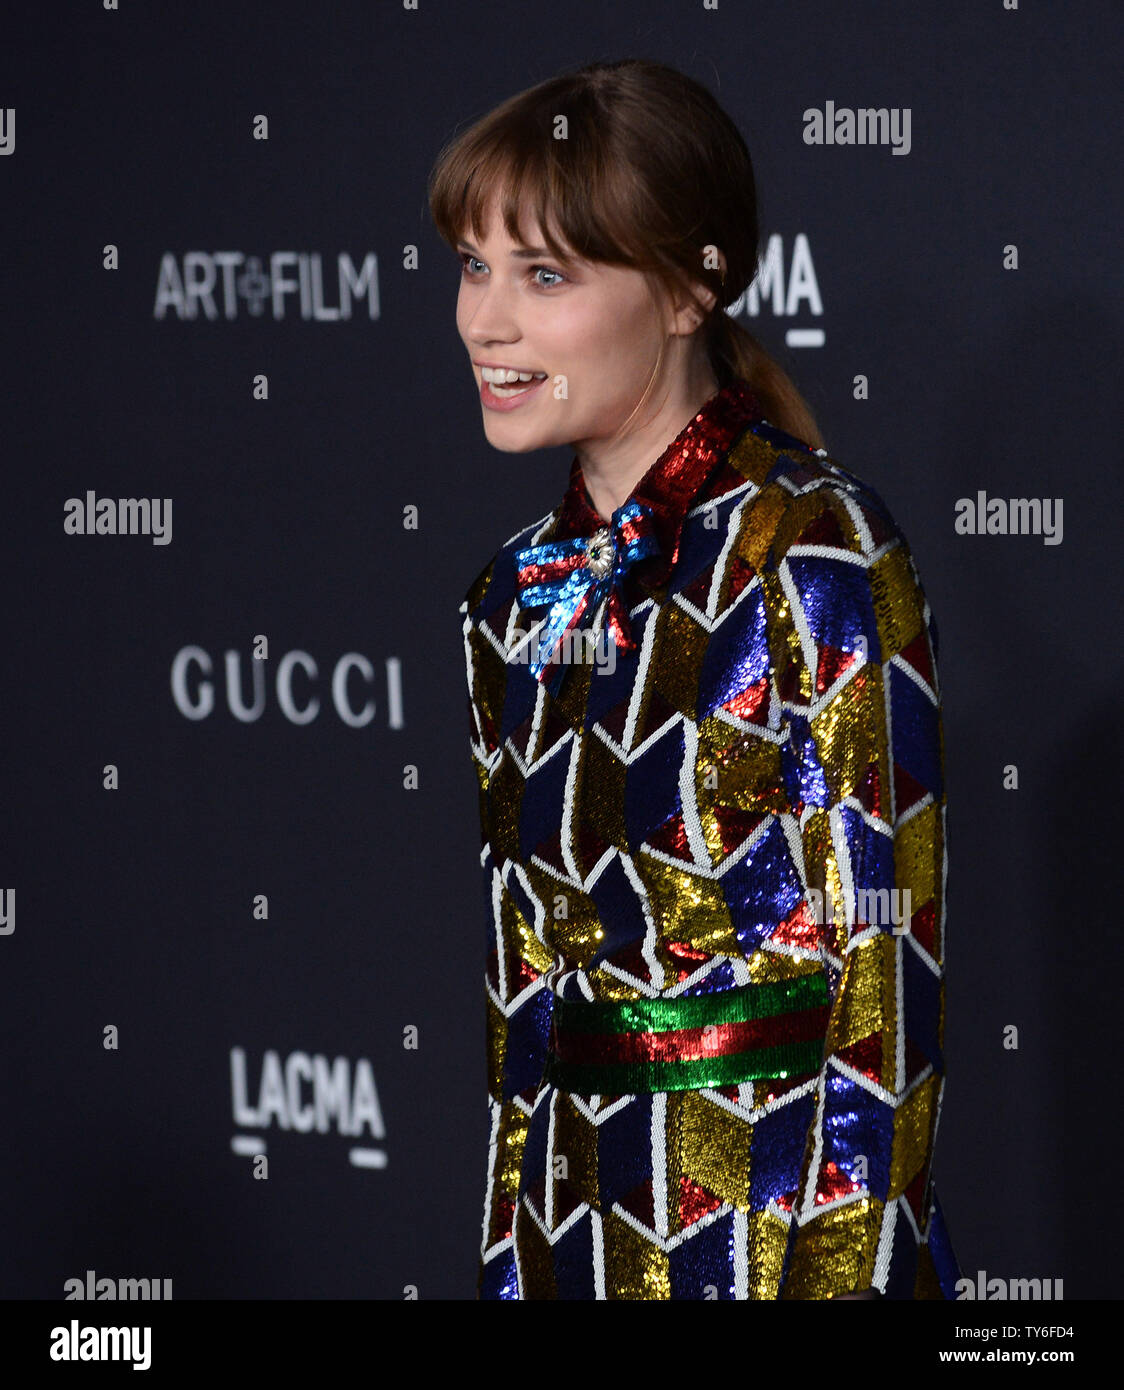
point(499, 375)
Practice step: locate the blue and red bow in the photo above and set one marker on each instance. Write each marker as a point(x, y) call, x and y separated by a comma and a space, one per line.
point(574, 576)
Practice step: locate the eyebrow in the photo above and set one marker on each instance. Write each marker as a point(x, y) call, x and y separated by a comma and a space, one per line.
point(525, 253)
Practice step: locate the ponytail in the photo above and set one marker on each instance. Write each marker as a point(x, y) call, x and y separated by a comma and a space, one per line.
point(735, 352)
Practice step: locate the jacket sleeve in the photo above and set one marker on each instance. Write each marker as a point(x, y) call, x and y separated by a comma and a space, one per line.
point(517, 1001)
point(854, 650)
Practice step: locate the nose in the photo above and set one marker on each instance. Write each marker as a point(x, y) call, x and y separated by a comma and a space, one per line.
point(491, 317)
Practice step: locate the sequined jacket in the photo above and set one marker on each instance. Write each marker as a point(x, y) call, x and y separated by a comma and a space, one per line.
point(749, 806)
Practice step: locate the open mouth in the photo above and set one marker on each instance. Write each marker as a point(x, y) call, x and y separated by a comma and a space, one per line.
point(514, 388)
point(505, 394)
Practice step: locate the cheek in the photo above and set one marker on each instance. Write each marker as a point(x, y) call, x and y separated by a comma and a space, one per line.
point(587, 333)
point(467, 299)
point(623, 327)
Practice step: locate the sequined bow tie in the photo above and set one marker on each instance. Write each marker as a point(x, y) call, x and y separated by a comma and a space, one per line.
point(574, 576)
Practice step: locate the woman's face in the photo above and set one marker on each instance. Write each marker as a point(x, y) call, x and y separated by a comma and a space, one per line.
point(593, 331)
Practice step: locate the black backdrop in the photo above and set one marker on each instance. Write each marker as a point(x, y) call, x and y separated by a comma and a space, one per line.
point(134, 906)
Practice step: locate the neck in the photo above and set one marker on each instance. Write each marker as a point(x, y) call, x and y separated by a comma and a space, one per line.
point(611, 468)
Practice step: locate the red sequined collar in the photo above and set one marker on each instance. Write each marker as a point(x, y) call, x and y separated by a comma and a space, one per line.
point(672, 482)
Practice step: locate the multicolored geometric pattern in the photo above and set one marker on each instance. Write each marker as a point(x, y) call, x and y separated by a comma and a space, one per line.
point(727, 839)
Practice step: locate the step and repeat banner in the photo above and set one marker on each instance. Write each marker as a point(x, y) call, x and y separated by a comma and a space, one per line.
point(246, 486)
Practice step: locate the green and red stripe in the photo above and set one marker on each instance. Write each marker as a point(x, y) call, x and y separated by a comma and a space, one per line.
point(755, 1032)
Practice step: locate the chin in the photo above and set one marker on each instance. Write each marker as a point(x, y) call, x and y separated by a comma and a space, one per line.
point(509, 445)
point(506, 447)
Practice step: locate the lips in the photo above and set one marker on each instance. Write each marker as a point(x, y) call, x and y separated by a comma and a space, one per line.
point(509, 396)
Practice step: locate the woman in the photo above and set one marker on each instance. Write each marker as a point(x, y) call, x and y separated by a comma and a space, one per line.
point(706, 726)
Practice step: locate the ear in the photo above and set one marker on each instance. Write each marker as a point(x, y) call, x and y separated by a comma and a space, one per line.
point(690, 310)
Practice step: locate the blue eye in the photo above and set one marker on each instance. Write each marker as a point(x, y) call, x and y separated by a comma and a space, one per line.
point(550, 271)
point(467, 258)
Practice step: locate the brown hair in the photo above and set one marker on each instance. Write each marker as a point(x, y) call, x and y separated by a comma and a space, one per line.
point(652, 172)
